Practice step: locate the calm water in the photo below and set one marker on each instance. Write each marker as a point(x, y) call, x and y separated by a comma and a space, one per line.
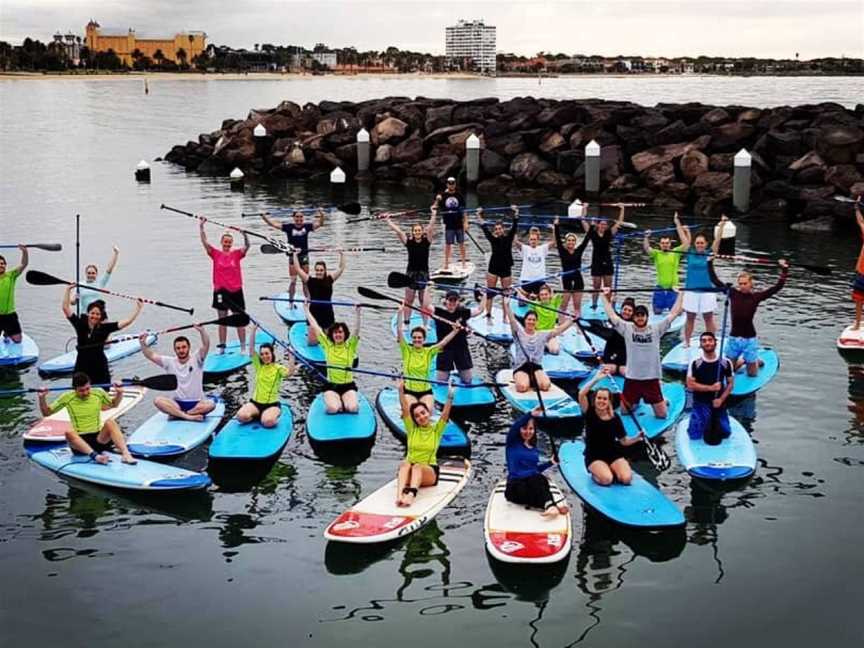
point(774, 559)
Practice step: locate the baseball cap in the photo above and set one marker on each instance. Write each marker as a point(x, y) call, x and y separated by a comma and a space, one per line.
point(641, 310)
point(451, 179)
point(452, 294)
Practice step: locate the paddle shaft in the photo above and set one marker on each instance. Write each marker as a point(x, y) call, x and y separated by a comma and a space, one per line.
point(323, 301)
point(222, 321)
point(77, 263)
point(216, 223)
point(48, 247)
point(129, 382)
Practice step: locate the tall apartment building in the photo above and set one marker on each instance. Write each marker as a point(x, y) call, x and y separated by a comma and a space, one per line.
point(472, 40)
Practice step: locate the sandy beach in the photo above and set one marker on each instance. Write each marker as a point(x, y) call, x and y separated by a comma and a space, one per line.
point(228, 76)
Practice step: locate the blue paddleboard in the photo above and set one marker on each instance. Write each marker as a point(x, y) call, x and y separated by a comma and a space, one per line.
point(252, 440)
point(564, 366)
point(388, 406)
point(494, 328)
point(297, 340)
point(65, 363)
point(161, 436)
point(640, 504)
point(289, 312)
point(219, 364)
point(574, 343)
point(18, 354)
point(414, 321)
point(733, 458)
point(143, 476)
point(558, 403)
point(340, 428)
point(478, 396)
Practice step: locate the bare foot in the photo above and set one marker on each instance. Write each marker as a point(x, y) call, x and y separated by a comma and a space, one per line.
point(129, 459)
point(102, 459)
point(563, 509)
point(550, 512)
point(408, 499)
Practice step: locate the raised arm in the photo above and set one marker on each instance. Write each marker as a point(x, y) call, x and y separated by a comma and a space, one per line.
point(679, 228)
point(586, 388)
point(617, 224)
point(295, 260)
point(67, 302)
point(149, 353)
point(272, 223)
point(205, 342)
point(481, 307)
point(113, 262)
point(135, 313)
point(319, 221)
point(646, 242)
point(357, 320)
point(398, 230)
point(563, 326)
point(859, 217)
point(683, 233)
point(677, 307)
point(342, 264)
point(448, 404)
point(607, 306)
point(313, 323)
point(712, 273)
point(203, 235)
point(508, 313)
point(404, 403)
point(715, 245)
point(430, 226)
point(25, 259)
point(781, 281)
point(445, 340)
point(246, 244)
point(253, 331)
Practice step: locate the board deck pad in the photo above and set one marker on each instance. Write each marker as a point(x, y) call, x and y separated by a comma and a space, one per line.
point(495, 328)
point(559, 404)
point(313, 354)
point(339, 428)
point(387, 403)
point(162, 436)
point(732, 458)
point(290, 312)
point(573, 342)
point(252, 441)
point(18, 354)
point(563, 366)
point(53, 428)
point(65, 362)
point(465, 396)
point(220, 364)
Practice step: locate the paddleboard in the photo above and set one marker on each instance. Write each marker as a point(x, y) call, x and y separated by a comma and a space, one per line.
point(574, 343)
point(289, 312)
point(65, 363)
point(252, 441)
point(455, 273)
point(464, 396)
point(219, 364)
point(559, 404)
point(143, 476)
point(18, 354)
point(733, 458)
point(563, 366)
point(414, 321)
point(599, 313)
point(640, 504)
point(388, 406)
point(678, 359)
point(161, 436)
point(376, 518)
point(324, 428)
point(313, 354)
point(851, 342)
point(518, 534)
point(53, 428)
point(496, 328)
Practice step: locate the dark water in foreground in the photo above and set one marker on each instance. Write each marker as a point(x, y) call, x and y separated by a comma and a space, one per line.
point(774, 560)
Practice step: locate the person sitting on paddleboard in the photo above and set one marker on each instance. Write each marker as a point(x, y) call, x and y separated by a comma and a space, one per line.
point(188, 401)
point(699, 295)
point(10, 325)
point(269, 374)
point(858, 286)
point(417, 246)
point(340, 353)
point(533, 273)
point(711, 380)
point(227, 281)
point(529, 345)
point(85, 403)
point(605, 436)
point(319, 289)
point(601, 235)
point(614, 356)
point(456, 355)
point(742, 345)
point(420, 466)
point(452, 206)
point(642, 340)
point(526, 484)
point(666, 261)
point(297, 233)
point(570, 250)
point(92, 331)
point(500, 268)
point(546, 309)
point(417, 359)
point(86, 295)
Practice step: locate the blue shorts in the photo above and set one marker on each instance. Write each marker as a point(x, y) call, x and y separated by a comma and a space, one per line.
point(663, 299)
point(737, 347)
point(454, 236)
point(700, 420)
point(186, 405)
point(858, 288)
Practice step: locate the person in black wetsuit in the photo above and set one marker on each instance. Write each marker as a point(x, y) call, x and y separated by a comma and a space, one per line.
point(93, 331)
point(452, 206)
point(570, 249)
point(601, 235)
point(501, 258)
point(320, 289)
point(297, 233)
point(614, 358)
point(417, 245)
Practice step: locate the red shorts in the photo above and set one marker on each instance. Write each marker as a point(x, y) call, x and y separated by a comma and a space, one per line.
point(647, 390)
point(858, 288)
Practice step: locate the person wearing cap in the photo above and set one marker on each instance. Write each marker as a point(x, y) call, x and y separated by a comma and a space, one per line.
point(642, 340)
point(614, 357)
point(666, 261)
point(451, 205)
point(456, 355)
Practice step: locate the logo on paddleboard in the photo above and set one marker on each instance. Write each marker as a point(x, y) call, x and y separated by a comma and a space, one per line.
point(348, 525)
point(509, 546)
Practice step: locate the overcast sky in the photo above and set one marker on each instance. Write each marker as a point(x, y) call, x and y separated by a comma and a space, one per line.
point(763, 28)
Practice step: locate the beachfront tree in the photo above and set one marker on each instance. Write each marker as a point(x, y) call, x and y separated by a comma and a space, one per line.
point(181, 58)
point(159, 57)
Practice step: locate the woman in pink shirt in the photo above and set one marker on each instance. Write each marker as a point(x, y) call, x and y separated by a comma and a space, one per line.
point(227, 281)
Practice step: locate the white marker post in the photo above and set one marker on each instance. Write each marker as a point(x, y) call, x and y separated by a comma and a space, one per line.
point(741, 181)
point(592, 167)
point(472, 159)
point(362, 151)
point(142, 172)
point(237, 179)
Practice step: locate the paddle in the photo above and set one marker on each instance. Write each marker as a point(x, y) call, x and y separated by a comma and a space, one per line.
point(474, 241)
point(234, 320)
point(162, 382)
point(847, 199)
point(217, 223)
point(352, 208)
point(269, 248)
point(38, 278)
point(324, 301)
point(716, 432)
point(48, 247)
point(815, 269)
point(570, 219)
point(382, 216)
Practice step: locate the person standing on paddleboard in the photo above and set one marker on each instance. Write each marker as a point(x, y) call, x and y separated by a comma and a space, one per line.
point(188, 401)
point(601, 235)
point(666, 261)
point(456, 355)
point(452, 206)
point(643, 354)
point(605, 436)
point(298, 232)
point(570, 250)
point(85, 295)
point(858, 286)
point(711, 380)
point(227, 281)
point(319, 289)
point(269, 374)
point(420, 466)
point(699, 295)
point(85, 404)
point(417, 246)
point(528, 349)
point(614, 356)
point(526, 484)
point(340, 353)
point(500, 268)
point(92, 331)
point(10, 325)
point(417, 359)
point(533, 273)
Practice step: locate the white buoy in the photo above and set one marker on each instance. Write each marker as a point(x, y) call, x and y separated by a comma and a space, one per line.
point(337, 176)
point(142, 171)
point(237, 179)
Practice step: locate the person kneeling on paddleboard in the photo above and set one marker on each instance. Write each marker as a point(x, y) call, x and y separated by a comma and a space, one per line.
point(605, 435)
point(417, 361)
point(526, 484)
point(456, 355)
point(188, 401)
point(269, 374)
point(10, 326)
point(570, 250)
point(85, 404)
point(530, 345)
point(711, 380)
point(420, 466)
point(340, 353)
point(86, 295)
point(614, 356)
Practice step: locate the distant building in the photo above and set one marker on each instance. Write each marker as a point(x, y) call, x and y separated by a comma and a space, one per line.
point(327, 59)
point(125, 43)
point(474, 42)
point(71, 44)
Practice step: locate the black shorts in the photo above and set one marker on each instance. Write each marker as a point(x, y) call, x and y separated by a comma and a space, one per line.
point(572, 282)
point(419, 279)
point(532, 287)
point(227, 300)
point(602, 269)
point(341, 389)
point(607, 459)
point(9, 325)
point(450, 357)
point(532, 492)
point(91, 439)
point(418, 394)
point(263, 407)
point(500, 270)
point(527, 368)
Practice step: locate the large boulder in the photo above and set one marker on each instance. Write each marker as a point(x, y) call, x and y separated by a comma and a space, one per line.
point(658, 154)
point(569, 161)
point(557, 116)
point(383, 154)
point(409, 151)
point(439, 117)
point(731, 137)
point(716, 116)
point(440, 135)
point(508, 145)
point(550, 178)
point(390, 130)
point(650, 121)
point(526, 166)
point(493, 164)
point(840, 144)
point(658, 175)
point(552, 141)
point(669, 134)
point(842, 176)
point(724, 162)
point(785, 142)
point(713, 185)
point(437, 168)
point(693, 164)
point(411, 114)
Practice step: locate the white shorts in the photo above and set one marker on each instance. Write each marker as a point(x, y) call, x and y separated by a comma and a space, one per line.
point(700, 302)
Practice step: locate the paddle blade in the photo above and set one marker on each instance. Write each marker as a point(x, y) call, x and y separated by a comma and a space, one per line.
point(369, 293)
point(48, 247)
point(268, 248)
point(352, 208)
point(657, 457)
point(398, 280)
point(163, 382)
point(39, 278)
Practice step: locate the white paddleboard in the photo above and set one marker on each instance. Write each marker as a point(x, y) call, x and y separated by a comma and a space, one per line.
point(455, 272)
point(558, 403)
point(518, 534)
point(851, 340)
point(376, 518)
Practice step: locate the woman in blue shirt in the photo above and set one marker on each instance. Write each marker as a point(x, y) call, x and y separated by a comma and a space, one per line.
point(700, 295)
